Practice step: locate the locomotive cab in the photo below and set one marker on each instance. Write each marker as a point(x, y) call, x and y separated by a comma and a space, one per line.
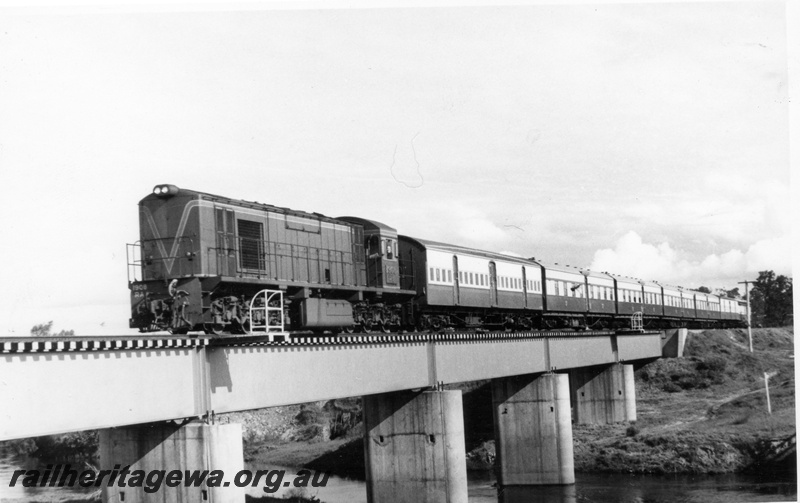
point(380, 250)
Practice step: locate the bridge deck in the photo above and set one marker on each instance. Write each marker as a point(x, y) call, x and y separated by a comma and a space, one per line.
point(53, 386)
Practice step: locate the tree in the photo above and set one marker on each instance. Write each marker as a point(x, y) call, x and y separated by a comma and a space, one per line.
point(734, 294)
point(704, 289)
point(44, 330)
point(771, 300)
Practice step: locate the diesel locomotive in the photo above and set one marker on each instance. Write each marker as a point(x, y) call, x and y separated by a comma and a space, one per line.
point(202, 260)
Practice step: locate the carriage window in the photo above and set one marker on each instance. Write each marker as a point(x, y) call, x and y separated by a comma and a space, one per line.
point(431, 278)
point(449, 276)
point(470, 278)
point(389, 254)
point(383, 245)
point(437, 275)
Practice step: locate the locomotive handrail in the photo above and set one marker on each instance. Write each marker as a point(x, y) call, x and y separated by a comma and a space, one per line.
point(134, 263)
point(636, 321)
point(180, 253)
point(271, 319)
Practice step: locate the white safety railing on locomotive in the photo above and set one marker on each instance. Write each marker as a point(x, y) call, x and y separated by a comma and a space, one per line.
point(266, 313)
point(637, 322)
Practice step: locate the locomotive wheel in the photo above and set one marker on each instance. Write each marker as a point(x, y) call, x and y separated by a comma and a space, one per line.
point(384, 328)
point(366, 326)
point(349, 330)
point(213, 328)
point(178, 331)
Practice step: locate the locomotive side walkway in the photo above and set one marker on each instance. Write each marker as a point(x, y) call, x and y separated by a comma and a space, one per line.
point(56, 386)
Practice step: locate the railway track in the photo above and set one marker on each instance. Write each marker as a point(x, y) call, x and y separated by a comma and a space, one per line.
point(29, 345)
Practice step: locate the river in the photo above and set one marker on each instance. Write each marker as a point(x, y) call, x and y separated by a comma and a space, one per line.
point(598, 488)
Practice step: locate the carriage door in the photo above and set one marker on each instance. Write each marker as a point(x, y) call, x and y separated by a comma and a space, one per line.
point(524, 288)
point(226, 242)
point(492, 284)
point(456, 286)
point(374, 263)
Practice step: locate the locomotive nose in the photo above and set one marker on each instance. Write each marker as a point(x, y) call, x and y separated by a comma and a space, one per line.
point(165, 190)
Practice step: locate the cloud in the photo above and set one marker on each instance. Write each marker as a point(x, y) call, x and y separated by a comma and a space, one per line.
point(662, 262)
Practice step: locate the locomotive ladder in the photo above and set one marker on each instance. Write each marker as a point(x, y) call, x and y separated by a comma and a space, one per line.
point(636, 321)
point(271, 321)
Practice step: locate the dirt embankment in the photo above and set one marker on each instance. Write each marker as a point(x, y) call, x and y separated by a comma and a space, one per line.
point(706, 412)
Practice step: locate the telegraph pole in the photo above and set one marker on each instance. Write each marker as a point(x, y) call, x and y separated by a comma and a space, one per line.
point(749, 328)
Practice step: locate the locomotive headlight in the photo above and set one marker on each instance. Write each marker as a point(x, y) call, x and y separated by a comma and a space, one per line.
point(165, 190)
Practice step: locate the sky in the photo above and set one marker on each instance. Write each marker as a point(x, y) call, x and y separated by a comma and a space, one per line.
point(644, 139)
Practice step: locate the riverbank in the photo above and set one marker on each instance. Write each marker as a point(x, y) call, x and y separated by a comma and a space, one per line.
point(706, 412)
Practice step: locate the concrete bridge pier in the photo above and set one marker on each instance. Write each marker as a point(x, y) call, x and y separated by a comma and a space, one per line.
point(673, 342)
point(603, 394)
point(160, 450)
point(414, 447)
point(533, 431)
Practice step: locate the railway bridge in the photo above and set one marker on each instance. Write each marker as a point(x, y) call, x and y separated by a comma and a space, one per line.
point(154, 399)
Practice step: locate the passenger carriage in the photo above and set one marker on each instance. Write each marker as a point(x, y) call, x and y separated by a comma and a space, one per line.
point(629, 295)
point(460, 286)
